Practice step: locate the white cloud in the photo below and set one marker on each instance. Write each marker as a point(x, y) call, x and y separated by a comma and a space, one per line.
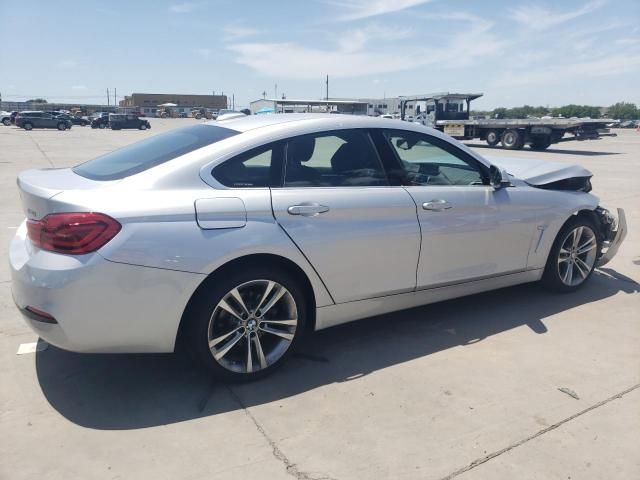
point(79, 87)
point(236, 32)
point(537, 17)
point(610, 65)
point(358, 9)
point(184, 7)
point(369, 51)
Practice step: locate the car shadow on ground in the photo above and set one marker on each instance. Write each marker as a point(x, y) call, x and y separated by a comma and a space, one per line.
point(119, 392)
point(551, 150)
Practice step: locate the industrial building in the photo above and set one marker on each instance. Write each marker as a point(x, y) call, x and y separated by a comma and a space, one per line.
point(147, 102)
point(358, 106)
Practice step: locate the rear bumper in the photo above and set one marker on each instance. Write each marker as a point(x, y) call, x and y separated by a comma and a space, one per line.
point(98, 305)
point(617, 236)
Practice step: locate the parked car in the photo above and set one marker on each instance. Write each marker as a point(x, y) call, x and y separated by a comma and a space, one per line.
point(100, 121)
point(118, 121)
point(237, 237)
point(37, 119)
point(75, 120)
point(5, 118)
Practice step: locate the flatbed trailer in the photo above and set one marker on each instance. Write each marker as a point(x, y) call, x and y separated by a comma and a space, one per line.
point(449, 112)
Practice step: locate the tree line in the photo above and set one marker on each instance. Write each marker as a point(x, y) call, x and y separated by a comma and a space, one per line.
point(617, 111)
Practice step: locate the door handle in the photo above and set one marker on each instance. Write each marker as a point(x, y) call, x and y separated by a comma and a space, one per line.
point(436, 205)
point(307, 210)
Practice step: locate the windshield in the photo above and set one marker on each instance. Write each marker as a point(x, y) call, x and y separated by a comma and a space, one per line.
point(152, 152)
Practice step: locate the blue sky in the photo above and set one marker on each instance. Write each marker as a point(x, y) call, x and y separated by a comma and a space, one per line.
point(538, 52)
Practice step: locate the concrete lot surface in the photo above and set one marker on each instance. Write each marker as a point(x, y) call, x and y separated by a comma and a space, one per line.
point(464, 389)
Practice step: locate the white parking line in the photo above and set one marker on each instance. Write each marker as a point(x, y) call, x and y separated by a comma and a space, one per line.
point(33, 347)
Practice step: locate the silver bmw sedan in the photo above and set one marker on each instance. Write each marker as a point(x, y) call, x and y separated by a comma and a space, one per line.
point(240, 236)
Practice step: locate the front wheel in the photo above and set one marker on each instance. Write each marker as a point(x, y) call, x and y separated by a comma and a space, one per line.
point(142, 127)
point(573, 256)
point(6, 122)
point(27, 126)
point(102, 125)
point(62, 126)
point(244, 325)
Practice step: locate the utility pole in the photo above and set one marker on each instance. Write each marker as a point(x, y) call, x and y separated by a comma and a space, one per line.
point(327, 97)
point(233, 101)
point(108, 102)
point(115, 97)
point(276, 89)
point(264, 94)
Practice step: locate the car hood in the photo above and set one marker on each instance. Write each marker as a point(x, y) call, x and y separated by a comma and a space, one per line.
point(539, 172)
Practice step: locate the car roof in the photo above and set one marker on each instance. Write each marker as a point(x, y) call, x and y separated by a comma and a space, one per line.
point(252, 122)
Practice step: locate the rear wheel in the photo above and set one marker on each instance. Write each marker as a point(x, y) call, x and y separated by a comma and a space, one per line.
point(142, 127)
point(27, 126)
point(573, 256)
point(62, 126)
point(244, 325)
point(492, 137)
point(512, 139)
point(6, 122)
point(102, 125)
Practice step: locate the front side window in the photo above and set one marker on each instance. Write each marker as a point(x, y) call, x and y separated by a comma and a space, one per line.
point(333, 159)
point(428, 161)
point(256, 168)
point(151, 152)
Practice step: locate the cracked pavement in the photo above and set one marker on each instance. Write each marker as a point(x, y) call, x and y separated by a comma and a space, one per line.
point(466, 389)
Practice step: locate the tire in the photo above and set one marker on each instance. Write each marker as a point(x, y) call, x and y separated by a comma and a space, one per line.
point(540, 143)
point(102, 125)
point(512, 139)
point(209, 319)
point(27, 126)
point(142, 127)
point(62, 126)
point(567, 269)
point(492, 137)
point(6, 122)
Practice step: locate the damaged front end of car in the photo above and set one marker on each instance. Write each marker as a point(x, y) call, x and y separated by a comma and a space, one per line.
point(613, 230)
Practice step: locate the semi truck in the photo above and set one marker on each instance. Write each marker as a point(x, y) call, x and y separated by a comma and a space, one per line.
point(449, 112)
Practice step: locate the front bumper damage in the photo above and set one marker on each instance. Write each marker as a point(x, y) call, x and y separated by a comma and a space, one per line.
point(614, 231)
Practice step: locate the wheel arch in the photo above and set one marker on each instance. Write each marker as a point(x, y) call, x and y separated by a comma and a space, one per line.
point(582, 212)
point(262, 259)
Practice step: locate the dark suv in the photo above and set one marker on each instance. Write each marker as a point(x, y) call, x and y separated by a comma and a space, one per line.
point(30, 120)
point(118, 121)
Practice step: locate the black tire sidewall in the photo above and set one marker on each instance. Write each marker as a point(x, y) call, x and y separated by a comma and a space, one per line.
point(551, 276)
point(494, 142)
point(27, 126)
point(209, 295)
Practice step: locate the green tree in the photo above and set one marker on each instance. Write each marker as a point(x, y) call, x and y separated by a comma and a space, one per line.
point(573, 110)
point(623, 111)
point(37, 100)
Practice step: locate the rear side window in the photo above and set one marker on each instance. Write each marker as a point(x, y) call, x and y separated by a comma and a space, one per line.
point(260, 167)
point(151, 152)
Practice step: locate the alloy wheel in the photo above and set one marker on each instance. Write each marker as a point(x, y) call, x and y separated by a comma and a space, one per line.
point(577, 256)
point(252, 326)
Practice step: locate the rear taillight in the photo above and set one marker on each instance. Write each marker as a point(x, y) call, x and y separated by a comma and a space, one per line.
point(72, 233)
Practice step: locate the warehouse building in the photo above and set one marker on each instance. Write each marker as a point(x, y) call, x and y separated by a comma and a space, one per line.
point(147, 102)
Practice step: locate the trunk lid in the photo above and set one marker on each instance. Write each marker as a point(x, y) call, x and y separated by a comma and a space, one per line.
point(38, 189)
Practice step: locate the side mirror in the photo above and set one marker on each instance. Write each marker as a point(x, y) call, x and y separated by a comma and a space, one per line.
point(499, 177)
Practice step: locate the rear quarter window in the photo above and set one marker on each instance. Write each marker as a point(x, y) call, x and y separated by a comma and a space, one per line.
point(151, 152)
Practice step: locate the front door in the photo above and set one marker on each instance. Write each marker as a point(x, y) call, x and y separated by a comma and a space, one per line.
point(468, 230)
point(359, 233)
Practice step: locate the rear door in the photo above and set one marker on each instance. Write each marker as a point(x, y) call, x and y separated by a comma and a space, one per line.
point(469, 230)
point(360, 233)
